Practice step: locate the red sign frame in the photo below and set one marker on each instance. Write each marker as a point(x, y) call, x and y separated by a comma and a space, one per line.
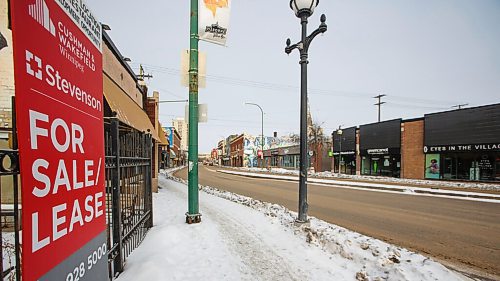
point(60, 126)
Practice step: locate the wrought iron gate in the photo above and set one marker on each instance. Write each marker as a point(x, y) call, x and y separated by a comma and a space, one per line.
point(128, 190)
point(10, 214)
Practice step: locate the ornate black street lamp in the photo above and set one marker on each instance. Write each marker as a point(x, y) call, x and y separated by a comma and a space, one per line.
point(303, 9)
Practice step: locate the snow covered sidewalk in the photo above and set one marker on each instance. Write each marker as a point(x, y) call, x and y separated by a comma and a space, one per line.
point(245, 239)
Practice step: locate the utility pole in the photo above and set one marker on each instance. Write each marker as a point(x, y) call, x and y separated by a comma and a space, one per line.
point(141, 75)
point(193, 215)
point(459, 106)
point(380, 102)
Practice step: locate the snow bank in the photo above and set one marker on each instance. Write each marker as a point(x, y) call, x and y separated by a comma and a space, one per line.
point(440, 183)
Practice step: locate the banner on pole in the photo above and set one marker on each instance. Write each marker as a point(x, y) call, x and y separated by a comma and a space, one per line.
point(214, 20)
point(60, 125)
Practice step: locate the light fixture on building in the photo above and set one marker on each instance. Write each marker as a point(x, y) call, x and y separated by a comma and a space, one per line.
point(105, 27)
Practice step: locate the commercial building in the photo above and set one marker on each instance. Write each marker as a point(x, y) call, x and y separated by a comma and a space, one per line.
point(182, 128)
point(461, 144)
point(236, 147)
point(344, 150)
point(380, 148)
point(283, 157)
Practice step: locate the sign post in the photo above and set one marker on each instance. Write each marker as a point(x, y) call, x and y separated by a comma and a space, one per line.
point(59, 114)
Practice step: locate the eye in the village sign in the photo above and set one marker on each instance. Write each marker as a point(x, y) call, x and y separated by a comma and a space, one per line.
point(59, 111)
point(461, 148)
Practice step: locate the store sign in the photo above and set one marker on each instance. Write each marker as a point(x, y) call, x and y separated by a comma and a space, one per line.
point(59, 113)
point(378, 151)
point(169, 134)
point(462, 148)
point(344, 153)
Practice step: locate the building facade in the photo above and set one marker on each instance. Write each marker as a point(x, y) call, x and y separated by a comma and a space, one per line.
point(380, 148)
point(344, 151)
point(236, 147)
point(463, 144)
point(182, 128)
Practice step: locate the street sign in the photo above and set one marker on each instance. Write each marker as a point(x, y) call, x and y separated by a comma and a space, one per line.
point(59, 113)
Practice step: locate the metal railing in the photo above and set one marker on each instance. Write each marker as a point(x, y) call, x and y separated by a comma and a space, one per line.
point(128, 189)
point(10, 215)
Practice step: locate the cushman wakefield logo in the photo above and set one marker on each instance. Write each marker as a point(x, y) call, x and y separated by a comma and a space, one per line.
point(35, 68)
point(40, 12)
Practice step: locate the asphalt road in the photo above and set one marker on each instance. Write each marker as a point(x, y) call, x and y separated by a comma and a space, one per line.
point(464, 235)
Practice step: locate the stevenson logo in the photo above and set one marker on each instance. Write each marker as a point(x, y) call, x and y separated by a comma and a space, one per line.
point(32, 60)
point(213, 5)
point(55, 79)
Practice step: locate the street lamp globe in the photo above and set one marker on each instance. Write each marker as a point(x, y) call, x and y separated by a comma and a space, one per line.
point(339, 132)
point(303, 7)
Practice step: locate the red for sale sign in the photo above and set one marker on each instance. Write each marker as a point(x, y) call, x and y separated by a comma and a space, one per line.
point(59, 111)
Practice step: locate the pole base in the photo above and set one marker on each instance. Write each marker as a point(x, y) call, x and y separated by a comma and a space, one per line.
point(299, 223)
point(193, 218)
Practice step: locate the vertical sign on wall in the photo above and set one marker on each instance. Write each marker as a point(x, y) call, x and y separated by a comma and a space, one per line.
point(59, 110)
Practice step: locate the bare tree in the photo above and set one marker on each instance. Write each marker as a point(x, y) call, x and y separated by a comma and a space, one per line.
point(316, 139)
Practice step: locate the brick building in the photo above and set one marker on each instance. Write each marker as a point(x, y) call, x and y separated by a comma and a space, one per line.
point(460, 144)
point(236, 147)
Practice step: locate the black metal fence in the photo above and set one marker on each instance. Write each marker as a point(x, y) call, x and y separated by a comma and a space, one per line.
point(128, 189)
point(128, 196)
point(10, 213)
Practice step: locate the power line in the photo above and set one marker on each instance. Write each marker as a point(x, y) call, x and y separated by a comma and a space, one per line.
point(289, 88)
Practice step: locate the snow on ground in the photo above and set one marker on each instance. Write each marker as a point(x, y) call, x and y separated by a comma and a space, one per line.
point(8, 254)
point(455, 184)
point(376, 187)
point(241, 238)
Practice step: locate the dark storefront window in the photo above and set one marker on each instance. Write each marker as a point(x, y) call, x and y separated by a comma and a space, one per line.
point(497, 168)
point(470, 166)
point(381, 165)
point(291, 161)
point(347, 164)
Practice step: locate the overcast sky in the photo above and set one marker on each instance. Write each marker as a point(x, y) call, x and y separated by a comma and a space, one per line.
point(426, 56)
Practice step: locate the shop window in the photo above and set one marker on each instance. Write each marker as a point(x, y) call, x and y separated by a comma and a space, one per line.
point(432, 166)
point(486, 167)
point(471, 166)
point(365, 166)
point(497, 168)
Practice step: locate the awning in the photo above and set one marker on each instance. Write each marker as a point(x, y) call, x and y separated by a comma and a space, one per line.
point(161, 134)
point(127, 110)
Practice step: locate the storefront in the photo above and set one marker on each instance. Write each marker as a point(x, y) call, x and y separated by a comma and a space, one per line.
point(283, 157)
point(380, 148)
point(344, 151)
point(463, 144)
